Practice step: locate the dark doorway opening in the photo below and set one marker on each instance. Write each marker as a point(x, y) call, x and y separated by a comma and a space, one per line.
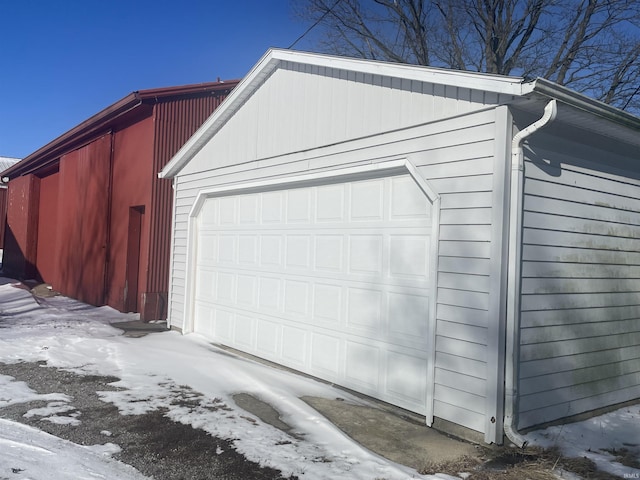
point(136, 216)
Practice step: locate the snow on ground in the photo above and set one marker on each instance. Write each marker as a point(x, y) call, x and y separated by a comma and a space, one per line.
point(44, 456)
point(74, 336)
point(597, 438)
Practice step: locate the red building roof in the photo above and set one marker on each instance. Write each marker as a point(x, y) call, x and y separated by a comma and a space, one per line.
point(109, 118)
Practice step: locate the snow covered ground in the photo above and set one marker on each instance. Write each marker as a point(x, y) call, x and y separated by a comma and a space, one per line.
point(70, 335)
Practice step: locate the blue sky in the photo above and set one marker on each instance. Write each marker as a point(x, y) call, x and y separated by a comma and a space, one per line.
point(61, 62)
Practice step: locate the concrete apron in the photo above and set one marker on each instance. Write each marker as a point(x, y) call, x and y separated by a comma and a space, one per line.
point(396, 438)
point(137, 328)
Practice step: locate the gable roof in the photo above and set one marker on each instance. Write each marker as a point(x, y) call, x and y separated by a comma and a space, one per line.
point(106, 119)
point(499, 84)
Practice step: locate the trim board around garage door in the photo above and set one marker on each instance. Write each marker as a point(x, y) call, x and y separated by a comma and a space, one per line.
point(331, 273)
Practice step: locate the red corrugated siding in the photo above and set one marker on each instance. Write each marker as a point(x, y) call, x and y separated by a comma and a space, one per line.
point(82, 216)
point(85, 212)
point(131, 177)
point(48, 228)
point(20, 248)
point(4, 197)
point(176, 122)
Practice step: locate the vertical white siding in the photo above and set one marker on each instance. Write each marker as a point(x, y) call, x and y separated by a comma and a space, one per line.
point(580, 336)
point(301, 107)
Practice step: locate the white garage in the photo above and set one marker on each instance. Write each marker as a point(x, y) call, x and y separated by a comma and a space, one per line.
point(449, 242)
point(333, 279)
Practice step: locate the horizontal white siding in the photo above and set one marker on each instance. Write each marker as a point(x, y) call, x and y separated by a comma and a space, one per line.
point(580, 336)
point(456, 156)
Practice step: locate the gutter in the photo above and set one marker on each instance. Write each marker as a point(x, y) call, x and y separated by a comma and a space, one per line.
point(581, 102)
point(514, 272)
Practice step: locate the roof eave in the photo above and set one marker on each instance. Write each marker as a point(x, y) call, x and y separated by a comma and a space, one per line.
point(95, 123)
point(577, 100)
point(84, 129)
point(194, 89)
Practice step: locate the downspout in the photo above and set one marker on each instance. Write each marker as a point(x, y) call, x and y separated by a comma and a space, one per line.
point(513, 290)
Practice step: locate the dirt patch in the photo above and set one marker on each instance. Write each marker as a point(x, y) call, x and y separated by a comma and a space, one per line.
point(152, 443)
point(514, 464)
point(625, 456)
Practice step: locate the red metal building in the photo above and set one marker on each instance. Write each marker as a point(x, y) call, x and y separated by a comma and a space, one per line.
point(5, 162)
point(87, 212)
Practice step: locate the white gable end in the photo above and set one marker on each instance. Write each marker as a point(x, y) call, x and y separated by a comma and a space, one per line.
point(302, 106)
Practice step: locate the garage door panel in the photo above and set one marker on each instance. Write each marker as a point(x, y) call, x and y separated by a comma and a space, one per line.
point(365, 254)
point(298, 205)
point(364, 308)
point(246, 287)
point(294, 346)
point(405, 378)
point(326, 355)
point(248, 250)
point(205, 280)
point(268, 338)
point(204, 321)
point(330, 203)
point(363, 366)
point(271, 250)
point(270, 205)
point(209, 255)
point(248, 209)
point(329, 252)
point(407, 322)
point(407, 200)
point(225, 288)
point(269, 294)
point(409, 256)
point(223, 325)
point(327, 303)
point(227, 211)
point(296, 298)
point(209, 214)
point(298, 251)
point(332, 280)
point(227, 245)
point(366, 200)
point(244, 334)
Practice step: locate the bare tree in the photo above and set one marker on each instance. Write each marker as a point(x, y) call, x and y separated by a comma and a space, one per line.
point(592, 46)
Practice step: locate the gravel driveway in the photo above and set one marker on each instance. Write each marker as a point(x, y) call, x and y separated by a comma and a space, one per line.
point(152, 443)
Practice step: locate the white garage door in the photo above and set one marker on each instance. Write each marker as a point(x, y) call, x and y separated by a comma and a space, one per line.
point(332, 280)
